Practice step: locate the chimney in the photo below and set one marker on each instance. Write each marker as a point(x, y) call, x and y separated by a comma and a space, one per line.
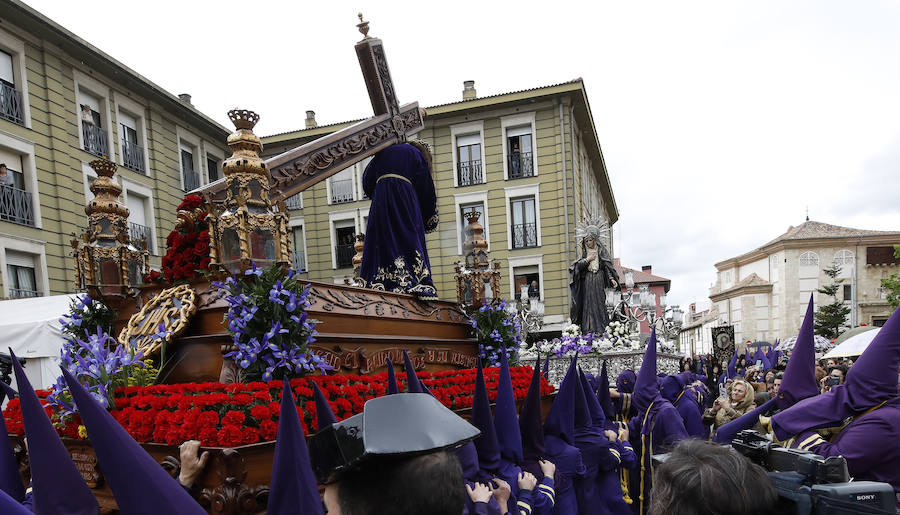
point(186, 98)
point(311, 120)
point(647, 268)
point(469, 90)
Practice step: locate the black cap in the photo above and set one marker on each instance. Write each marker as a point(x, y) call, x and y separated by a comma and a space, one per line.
point(389, 426)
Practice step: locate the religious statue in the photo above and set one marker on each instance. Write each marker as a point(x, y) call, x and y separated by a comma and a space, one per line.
point(404, 207)
point(592, 274)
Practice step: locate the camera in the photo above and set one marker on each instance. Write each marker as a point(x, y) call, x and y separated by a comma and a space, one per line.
point(832, 381)
point(811, 484)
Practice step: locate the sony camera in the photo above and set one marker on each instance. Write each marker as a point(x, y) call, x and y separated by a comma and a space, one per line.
point(811, 484)
point(6, 366)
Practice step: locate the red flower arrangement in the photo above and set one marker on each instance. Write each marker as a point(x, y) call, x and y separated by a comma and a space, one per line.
point(222, 415)
point(187, 247)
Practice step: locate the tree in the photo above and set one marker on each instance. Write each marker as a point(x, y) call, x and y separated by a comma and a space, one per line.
point(891, 285)
point(831, 317)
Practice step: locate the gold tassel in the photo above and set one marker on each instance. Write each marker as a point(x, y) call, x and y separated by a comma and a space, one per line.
point(623, 479)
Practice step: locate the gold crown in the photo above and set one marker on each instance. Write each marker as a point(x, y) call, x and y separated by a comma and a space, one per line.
point(243, 118)
point(104, 167)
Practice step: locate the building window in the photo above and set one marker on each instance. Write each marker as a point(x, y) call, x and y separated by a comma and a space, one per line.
point(132, 151)
point(188, 169)
point(523, 223)
point(20, 272)
point(344, 237)
point(212, 167)
point(341, 187)
point(468, 160)
point(11, 107)
point(809, 258)
point(361, 167)
point(848, 292)
point(527, 279)
point(138, 224)
point(464, 211)
point(519, 152)
point(295, 201)
point(299, 249)
point(16, 203)
point(94, 137)
point(843, 257)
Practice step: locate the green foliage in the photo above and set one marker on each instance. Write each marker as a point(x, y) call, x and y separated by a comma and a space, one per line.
point(85, 316)
point(831, 317)
point(891, 285)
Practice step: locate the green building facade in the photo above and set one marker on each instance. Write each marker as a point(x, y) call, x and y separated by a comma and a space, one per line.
point(64, 103)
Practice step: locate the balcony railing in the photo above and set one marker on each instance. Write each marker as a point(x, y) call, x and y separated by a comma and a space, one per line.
point(294, 202)
point(469, 172)
point(520, 165)
point(16, 206)
point(344, 255)
point(342, 191)
point(95, 140)
point(191, 180)
point(11, 104)
point(524, 235)
point(21, 293)
point(138, 234)
point(300, 261)
point(133, 156)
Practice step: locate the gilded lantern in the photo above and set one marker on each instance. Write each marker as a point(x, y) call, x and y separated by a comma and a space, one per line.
point(107, 262)
point(478, 276)
point(246, 228)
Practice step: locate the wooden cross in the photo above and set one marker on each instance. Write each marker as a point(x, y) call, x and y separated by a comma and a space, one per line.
point(300, 168)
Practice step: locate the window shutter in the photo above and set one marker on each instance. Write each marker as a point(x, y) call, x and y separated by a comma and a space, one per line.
point(19, 259)
point(468, 139)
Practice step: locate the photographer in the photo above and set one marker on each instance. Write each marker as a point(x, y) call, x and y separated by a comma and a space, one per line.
point(739, 400)
point(703, 478)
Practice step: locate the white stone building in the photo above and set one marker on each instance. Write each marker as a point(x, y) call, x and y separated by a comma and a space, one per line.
point(764, 292)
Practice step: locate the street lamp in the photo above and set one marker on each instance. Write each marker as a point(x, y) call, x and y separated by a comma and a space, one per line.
point(667, 320)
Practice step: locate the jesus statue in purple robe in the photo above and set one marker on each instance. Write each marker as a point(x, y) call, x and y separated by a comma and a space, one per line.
point(404, 208)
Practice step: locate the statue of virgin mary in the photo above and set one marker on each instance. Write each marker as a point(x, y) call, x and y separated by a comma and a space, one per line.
point(591, 275)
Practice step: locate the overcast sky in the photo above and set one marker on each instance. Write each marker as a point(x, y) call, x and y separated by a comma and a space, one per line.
point(720, 121)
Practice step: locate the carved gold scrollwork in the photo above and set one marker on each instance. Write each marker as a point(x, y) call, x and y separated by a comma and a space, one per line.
point(172, 307)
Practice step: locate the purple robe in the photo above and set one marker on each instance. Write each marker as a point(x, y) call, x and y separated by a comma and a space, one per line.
point(868, 444)
point(404, 208)
point(568, 466)
point(692, 417)
point(662, 430)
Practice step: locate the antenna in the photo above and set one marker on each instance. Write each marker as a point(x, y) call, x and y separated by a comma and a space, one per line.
point(807, 212)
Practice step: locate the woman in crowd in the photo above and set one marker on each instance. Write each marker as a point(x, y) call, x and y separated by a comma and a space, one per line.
point(739, 401)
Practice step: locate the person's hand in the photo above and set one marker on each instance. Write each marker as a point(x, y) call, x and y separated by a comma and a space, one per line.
point(191, 464)
point(547, 467)
point(480, 493)
point(614, 283)
point(610, 435)
point(501, 492)
point(591, 257)
point(613, 393)
point(717, 404)
point(527, 481)
point(623, 434)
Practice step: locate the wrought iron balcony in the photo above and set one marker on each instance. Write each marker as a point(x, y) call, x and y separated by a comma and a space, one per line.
point(344, 255)
point(469, 172)
point(342, 191)
point(140, 233)
point(11, 104)
point(191, 180)
point(21, 293)
point(95, 140)
point(16, 206)
point(294, 202)
point(133, 156)
point(300, 261)
point(524, 235)
point(520, 165)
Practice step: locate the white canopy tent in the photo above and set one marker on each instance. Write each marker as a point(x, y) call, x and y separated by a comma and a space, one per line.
point(31, 328)
point(853, 346)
